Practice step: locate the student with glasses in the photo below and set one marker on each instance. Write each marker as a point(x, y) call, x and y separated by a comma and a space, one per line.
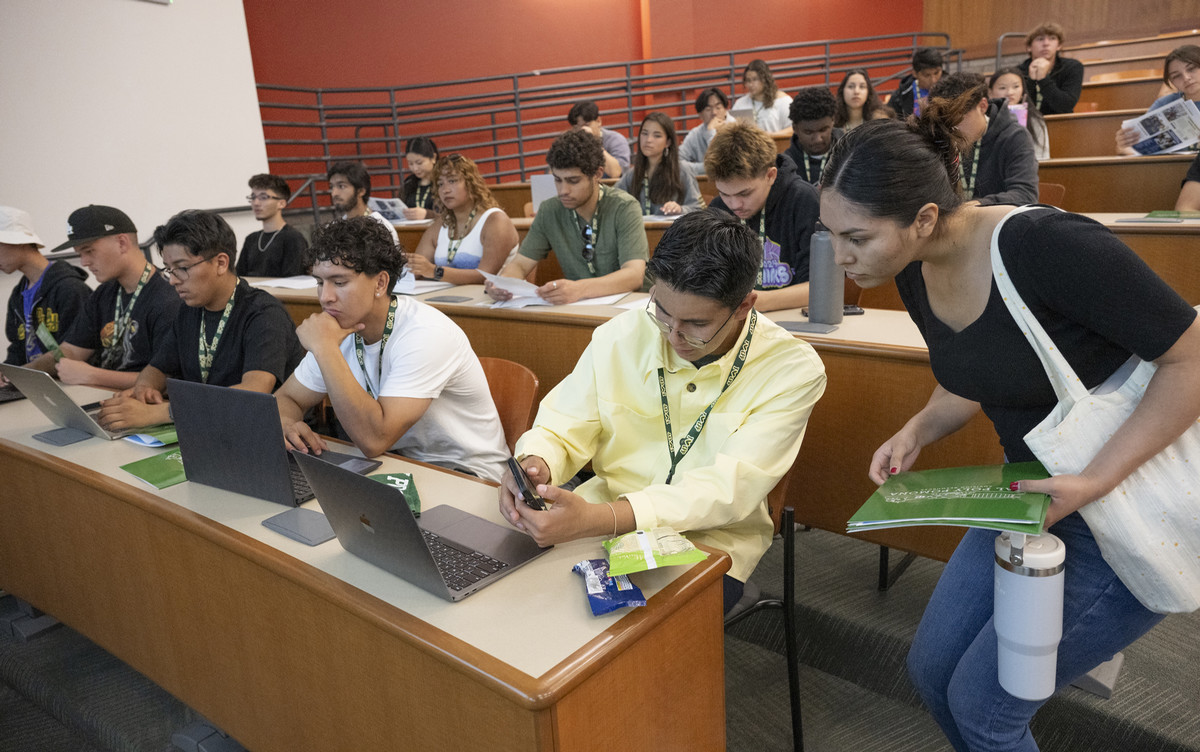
point(473, 233)
point(689, 410)
point(277, 249)
point(125, 320)
point(596, 232)
point(227, 333)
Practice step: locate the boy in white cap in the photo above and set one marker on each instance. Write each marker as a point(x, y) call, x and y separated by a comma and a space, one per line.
point(125, 320)
point(48, 295)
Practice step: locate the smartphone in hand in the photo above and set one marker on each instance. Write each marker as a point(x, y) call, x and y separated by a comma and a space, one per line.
point(531, 497)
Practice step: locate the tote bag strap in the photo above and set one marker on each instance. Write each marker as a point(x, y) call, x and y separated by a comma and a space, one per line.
point(1067, 386)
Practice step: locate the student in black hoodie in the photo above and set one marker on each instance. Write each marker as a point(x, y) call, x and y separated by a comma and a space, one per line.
point(812, 113)
point(1054, 82)
point(915, 87)
point(998, 163)
point(48, 293)
point(763, 189)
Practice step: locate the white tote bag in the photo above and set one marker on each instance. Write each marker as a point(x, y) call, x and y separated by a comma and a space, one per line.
point(1148, 527)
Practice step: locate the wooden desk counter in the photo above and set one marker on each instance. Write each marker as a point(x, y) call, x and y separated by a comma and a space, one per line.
point(1086, 134)
point(1117, 184)
point(879, 377)
point(291, 647)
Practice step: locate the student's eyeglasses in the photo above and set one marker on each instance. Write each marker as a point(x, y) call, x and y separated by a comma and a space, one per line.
point(689, 340)
point(589, 244)
point(181, 272)
point(262, 197)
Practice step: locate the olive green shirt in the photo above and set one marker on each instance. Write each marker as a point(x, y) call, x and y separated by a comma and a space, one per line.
point(620, 235)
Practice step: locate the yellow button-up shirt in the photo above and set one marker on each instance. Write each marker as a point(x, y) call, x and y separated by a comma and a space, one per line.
point(608, 410)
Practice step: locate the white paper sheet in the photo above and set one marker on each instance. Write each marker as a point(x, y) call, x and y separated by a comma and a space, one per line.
point(301, 282)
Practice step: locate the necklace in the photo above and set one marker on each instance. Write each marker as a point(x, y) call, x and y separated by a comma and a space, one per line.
point(457, 241)
point(262, 247)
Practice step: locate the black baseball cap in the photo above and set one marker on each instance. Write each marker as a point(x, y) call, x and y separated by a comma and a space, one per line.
point(93, 222)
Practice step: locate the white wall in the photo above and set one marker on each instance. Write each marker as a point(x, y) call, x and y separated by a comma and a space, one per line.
point(150, 108)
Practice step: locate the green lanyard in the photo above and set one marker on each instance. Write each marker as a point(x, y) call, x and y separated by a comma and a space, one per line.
point(359, 348)
point(808, 168)
point(454, 244)
point(1038, 100)
point(646, 196)
point(208, 350)
point(594, 226)
point(968, 181)
point(111, 357)
point(690, 439)
point(422, 195)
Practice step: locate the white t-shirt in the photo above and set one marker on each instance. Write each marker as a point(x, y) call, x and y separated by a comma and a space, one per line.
point(429, 357)
point(770, 119)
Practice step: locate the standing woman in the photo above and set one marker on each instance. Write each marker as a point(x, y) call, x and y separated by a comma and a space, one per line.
point(857, 101)
point(473, 234)
point(656, 179)
point(889, 200)
point(420, 157)
point(769, 104)
point(1007, 83)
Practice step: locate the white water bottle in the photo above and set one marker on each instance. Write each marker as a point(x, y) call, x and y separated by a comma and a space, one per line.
point(1028, 612)
point(826, 281)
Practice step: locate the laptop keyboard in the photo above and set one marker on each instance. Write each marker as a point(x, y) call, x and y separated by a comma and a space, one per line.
point(460, 569)
point(301, 491)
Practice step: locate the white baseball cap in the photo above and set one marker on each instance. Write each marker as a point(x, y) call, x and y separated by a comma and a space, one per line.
point(16, 227)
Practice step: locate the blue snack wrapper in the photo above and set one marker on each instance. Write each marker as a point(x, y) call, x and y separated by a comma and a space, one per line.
point(606, 594)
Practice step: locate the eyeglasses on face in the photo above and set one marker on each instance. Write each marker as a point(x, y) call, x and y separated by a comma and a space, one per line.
point(181, 272)
point(688, 339)
point(262, 197)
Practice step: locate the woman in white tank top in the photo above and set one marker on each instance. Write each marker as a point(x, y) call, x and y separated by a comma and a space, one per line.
point(474, 233)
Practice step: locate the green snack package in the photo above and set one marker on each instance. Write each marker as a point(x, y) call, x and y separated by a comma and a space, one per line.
point(403, 482)
point(649, 549)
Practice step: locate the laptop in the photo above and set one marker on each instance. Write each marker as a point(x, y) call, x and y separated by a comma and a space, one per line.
point(48, 396)
point(10, 393)
point(744, 114)
point(448, 552)
point(541, 188)
point(232, 439)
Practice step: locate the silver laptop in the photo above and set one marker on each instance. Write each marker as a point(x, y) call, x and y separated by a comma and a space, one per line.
point(49, 397)
point(232, 439)
point(448, 552)
point(541, 188)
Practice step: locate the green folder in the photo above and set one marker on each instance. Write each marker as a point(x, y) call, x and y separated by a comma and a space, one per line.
point(1172, 214)
point(403, 482)
point(162, 470)
point(963, 496)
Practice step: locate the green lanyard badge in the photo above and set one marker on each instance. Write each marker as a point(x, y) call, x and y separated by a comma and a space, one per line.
point(208, 350)
point(111, 357)
point(690, 439)
point(360, 349)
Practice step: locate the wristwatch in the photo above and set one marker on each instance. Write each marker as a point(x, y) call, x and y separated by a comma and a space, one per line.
point(438, 271)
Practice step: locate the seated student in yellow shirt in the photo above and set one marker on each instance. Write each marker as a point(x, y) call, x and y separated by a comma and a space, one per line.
point(227, 333)
point(690, 410)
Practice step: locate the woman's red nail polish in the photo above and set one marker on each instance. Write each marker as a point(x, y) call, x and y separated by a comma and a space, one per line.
point(892, 471)
point(1014, 486)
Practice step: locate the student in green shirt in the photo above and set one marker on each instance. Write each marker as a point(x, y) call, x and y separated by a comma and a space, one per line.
point(595, 231)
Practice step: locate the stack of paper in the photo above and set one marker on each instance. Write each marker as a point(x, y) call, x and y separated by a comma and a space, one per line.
point(963, 496)
point(524, 293)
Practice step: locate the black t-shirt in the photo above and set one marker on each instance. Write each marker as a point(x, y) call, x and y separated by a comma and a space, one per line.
point(282, 254)
point(1095, 298)
point(150, 320)
point(1193, 173)
point(259, 336)
point(413, 189)
point(793, 208)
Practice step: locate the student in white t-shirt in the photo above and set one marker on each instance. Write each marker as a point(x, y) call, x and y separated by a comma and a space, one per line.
point(770, 105)
point(400, 375)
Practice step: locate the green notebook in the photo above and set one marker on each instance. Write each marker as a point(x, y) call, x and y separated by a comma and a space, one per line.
point(964, 496)
point(403, 482)
point(161, 470)
point(1172, 214)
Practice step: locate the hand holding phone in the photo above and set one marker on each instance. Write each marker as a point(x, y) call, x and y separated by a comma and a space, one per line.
point(531, 497)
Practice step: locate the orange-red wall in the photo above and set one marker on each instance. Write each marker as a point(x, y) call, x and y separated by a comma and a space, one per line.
point(390, 42)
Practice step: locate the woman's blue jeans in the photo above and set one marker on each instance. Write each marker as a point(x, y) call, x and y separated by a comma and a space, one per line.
point(952, 662)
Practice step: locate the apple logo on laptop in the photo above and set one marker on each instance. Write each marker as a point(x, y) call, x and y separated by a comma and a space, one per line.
point(362, 518)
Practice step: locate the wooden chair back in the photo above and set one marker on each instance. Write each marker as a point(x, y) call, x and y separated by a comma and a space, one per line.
point(1124, 74)
point(514, 390)
point(1087, 107)
point(1051, 193)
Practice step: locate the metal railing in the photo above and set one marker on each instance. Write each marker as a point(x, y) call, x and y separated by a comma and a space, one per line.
point(1000, 46)
point(506, 123)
